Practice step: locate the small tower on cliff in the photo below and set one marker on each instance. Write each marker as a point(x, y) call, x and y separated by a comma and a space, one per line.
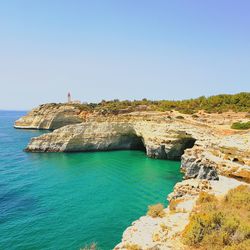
point(69, 97)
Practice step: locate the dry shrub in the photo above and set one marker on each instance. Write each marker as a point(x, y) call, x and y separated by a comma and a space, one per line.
point(241, 246)
point(205, 197)
point(156, 210)
point(132, 247)
point(239, 197)
point(220, 224)
point(164, 227)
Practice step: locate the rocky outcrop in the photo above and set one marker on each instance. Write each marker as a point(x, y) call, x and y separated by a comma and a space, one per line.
point(196, 166)
point(158, 140)
point(50, 116)
point(87, 137)
point(219, 157)
point(188, 188)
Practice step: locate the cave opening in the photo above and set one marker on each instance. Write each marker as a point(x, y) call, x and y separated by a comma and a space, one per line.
point(135, 142)
point(132, 142)
point(178, 150)
point(187, 143)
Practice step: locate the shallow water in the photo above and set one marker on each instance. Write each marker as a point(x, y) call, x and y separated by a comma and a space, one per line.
point(67, 200)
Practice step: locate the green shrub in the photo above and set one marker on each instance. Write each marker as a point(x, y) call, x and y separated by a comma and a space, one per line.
point(156, 210)
point(241, 125)
point(180, 117)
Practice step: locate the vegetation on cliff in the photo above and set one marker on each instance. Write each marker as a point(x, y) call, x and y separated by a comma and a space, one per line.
point(241, 125)
point(220, 224)
point(156, 210)
point(217, 103)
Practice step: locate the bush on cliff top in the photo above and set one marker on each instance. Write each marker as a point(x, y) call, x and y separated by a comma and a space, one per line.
point(205, 197)
point(223, 224)
point(218, 103)
point(241, 125)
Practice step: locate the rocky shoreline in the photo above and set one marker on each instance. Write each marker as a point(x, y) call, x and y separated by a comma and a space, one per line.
point(166, 232)
point(213, 157)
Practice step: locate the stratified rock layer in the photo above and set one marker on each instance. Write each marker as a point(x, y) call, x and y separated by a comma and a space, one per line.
point(158, 139)
point(219, 157)
point(50, 116)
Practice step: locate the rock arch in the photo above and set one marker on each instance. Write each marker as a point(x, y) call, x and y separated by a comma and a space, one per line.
point(104, 136)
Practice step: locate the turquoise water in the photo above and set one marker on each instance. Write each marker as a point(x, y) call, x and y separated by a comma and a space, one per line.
point(64, 201)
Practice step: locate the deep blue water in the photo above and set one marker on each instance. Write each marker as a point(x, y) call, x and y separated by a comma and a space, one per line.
point(65, 201)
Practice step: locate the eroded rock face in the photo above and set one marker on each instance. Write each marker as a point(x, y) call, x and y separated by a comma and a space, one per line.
point(154, 138)
point(195, 166)
point(87, 137)
point(50, 116)
point(190, 187)
point(219, 157)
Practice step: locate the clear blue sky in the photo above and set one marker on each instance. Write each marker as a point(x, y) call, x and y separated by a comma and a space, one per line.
point(126, 49)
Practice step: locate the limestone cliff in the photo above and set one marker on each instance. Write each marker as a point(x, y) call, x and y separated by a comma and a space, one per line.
point(219, 158)
point(50, 116)
point(159, 140)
